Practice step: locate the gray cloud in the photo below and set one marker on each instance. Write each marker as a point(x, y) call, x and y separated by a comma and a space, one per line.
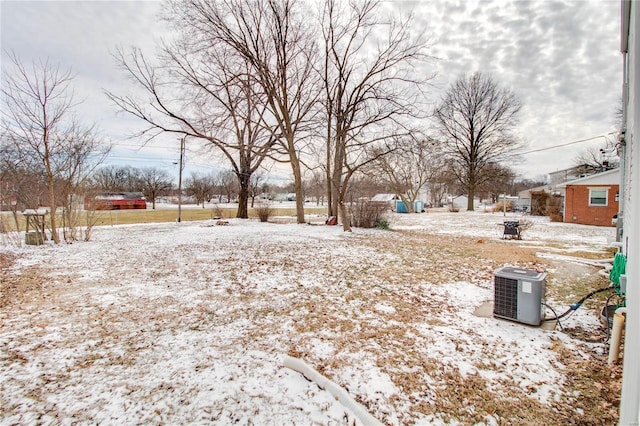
point(560, 57)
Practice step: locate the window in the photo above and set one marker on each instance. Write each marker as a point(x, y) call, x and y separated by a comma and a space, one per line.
point(598, 196)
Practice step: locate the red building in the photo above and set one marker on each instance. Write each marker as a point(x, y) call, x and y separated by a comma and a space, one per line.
point(592, 200)
point(116, 201)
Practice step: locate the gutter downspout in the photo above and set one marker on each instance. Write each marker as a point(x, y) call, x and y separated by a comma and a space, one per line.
point(616, 334)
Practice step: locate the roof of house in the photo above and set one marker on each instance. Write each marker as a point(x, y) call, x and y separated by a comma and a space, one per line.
point(526, 193)
point(610, 177)
point(384, 197)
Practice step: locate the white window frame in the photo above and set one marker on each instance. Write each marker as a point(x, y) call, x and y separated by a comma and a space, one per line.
point(606, 196)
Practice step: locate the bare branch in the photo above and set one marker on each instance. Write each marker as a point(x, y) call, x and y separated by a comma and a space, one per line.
point(476, 119)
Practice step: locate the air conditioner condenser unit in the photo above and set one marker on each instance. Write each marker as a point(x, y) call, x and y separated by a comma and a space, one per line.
point(519, 295)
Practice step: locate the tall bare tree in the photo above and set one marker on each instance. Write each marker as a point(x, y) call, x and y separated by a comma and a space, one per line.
point(38, 120)
point(203, 91)
point(371, 88)
point(476, 119)
point(275, 39)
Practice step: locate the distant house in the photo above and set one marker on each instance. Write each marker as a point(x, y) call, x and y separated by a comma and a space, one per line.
point(592, 200)
point(535, 199)
point(389, 199)
point(460, 202)
point(527, 198)
point(561, 176)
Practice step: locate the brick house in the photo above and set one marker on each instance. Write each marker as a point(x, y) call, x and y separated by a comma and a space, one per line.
point(592, 200)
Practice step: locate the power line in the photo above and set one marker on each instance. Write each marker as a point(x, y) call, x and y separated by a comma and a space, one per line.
point(564, 144)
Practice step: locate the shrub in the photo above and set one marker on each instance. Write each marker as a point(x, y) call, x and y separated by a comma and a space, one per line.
point(368, 214)
point(383, 224)
point(216, 212)
point(500, 206)
point(554, 208)
point(263, 210)
point(524, 225)
point(539, 203)
point(8, 234)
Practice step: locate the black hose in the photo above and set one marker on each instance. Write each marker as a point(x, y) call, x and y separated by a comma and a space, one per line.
point(554, 313)
point(576, 305)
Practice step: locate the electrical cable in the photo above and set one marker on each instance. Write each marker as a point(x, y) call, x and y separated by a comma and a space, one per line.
point(554, 313)
point(562, 145)
point(573, 307)
point(606, 307)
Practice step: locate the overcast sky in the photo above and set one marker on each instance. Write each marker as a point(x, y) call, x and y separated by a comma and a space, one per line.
point(561, 58)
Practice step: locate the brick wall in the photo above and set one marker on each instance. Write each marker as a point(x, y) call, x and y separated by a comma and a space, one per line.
point(578, 210)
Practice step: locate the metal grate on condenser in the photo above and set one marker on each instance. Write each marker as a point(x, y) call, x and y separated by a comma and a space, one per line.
point(506, 297)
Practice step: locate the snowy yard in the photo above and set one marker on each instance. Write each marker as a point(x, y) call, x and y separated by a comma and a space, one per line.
point(189, 323)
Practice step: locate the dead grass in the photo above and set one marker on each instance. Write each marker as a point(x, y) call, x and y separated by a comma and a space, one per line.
point(596, 387)
point(126, 217)
point(342, 318)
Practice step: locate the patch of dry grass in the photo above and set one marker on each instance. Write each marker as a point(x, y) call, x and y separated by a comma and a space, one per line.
point(340, 308)
point(127, 217)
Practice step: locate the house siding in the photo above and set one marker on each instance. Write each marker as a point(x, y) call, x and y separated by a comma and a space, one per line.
point(578, 210)
point(630, 398)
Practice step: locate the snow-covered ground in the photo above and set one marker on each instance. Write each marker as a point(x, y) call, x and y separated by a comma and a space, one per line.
point(189, 323)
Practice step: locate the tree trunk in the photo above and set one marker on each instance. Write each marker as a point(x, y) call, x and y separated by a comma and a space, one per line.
point(243, 198)
point(52, 205)
point(335, 189)
point(471, 196)
point(330, 209)
point(346, 223)
point(297, 184)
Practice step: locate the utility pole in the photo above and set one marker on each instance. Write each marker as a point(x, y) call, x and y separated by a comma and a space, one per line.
point(180, 179)
point(504, 204)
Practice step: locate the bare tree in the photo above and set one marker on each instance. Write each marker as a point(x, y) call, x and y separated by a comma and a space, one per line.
point(443, 182)
point(117, 178)
point(256, 184)
point(274, 38)
point(155, 183)
point(38, 120)
point(371, 87)
point(201, 187)
point(316, 186)
point(596, 160)
point(409, 168)
point(228, 184)
point(22, 184)
point(84, 153)
point(201, 90)
point(476, 119)
point(498, 180)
